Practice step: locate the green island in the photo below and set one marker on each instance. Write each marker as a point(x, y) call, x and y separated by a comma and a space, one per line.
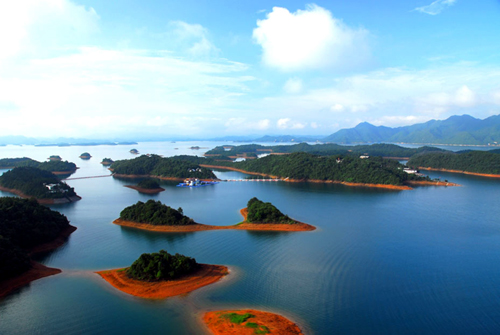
point(155, 216)
point(347, 169)
point(249, 151)
point(40, 184)
point(55, 158)
point(161, 266)
point(52, 165)
point(161, 275)
point(163, 168)
point(107, 161)
point(26, 228)
point(264, 212)
point(155, 213)
point(134, 151)
point(85, 155)
point(485, 163)
point(147, 185)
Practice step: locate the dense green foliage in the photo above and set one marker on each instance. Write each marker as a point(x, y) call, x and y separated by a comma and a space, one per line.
point(24, 224)
point(155, 213)
point(52, 166)
point(161, 266)
point(265, 212)
point(162, 167)
point(238, 318)
point(148, 183)
point(304, 166)
point(31, 181)
point(469, 161)
point(383, 150)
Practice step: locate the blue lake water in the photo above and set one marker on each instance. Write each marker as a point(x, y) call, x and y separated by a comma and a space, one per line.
point(380, 262)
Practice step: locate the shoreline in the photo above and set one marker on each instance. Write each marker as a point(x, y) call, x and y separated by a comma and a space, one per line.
point(118, 175)
point(206, 275)
point(64, 172)
point(461, 172)
point(39, 200)
point(146, 190)
point(277, 324)
point(385, 186)
point(299, 226)
point(37, 270)
point(431, 183)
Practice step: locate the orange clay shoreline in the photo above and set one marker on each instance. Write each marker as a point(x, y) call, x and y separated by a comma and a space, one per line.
point(37, 270)
point(206, 275)
point(146, 190)
point(41, 201)
point(299, 226)
point(462, 172)
point(219, 324)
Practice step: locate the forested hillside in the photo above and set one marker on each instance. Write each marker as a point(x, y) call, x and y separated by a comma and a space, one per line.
point(470, 161)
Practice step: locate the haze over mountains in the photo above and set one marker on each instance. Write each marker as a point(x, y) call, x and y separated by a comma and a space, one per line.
point(456, 130)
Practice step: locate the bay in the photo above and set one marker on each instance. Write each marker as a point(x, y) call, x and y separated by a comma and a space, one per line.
point(380, 262)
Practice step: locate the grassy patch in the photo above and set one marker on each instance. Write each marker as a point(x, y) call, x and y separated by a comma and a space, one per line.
point(262, 330)
point(238, 318)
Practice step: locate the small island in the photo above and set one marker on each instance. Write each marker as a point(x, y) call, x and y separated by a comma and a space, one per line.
point(55, 158)
point(28, 182)
point(249, 322)
point(162, 275)
point(85, 155)
point(148, 185)
point(155, 216)
point(107, 161)
point(134, 151)
point(27, 228)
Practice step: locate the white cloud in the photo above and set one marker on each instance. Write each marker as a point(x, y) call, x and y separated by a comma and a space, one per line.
point(293, 86)
point(241, 123)
point(309, 39)
point(436, 7)
point(337, 108)
point(194, 36)
point(37, 25)
point(287, 123)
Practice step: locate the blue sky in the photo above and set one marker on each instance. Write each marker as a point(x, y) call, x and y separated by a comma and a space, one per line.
point(99, 68)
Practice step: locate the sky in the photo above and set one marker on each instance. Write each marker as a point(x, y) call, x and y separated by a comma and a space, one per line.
point(201, 69)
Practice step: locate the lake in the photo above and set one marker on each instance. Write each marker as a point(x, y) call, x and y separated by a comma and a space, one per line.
point(380, 262)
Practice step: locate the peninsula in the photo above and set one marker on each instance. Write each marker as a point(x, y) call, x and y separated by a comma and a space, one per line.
point(155, 216)
point(155, 166)
point(28, 182)
point(478, 163)
point(162, 275)
point(148, 185)
point(249, 322)
point(26, 229)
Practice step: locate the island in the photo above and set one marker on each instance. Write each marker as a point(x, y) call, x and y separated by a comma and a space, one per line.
point(28, 182)
point(27, 228)
point(249, 322)
point(155, 166)
point(55, 158)
point(134, 151)
point(148, 185)
point(107, 161)
point(478, 163)
point(155, 216)
point(85, 155)
point(161, 275)
point(54, 166)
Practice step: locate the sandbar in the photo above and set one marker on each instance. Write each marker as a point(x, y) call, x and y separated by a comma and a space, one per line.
point(218, 324)
point(462, 172)
point(298, 226)
point(146, 190)
point(206, 275)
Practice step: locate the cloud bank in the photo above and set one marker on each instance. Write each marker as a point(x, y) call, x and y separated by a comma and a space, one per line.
point(309, 39)
point(436, 7)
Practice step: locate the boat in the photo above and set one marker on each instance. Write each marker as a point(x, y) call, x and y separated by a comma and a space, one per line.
point(195, 182)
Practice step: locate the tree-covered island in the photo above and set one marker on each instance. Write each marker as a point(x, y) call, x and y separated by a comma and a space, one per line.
point(155, 216)
point(161, 275)
point(159, 167)
point(85, 155)
point(155, 213)
point(107, 161)
point(26, 228)
point(147, 185)
point(486, 163)
point(54, 166)
point(33, 182)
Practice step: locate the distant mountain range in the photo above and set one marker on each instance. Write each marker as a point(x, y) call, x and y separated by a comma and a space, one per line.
point(463, 129)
